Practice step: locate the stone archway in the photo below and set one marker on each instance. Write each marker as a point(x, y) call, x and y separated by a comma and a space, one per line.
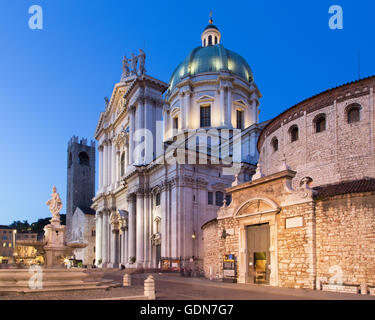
point(257, 211)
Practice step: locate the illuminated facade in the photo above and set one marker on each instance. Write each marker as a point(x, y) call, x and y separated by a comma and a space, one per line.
point(7, 244)
point(149, 205)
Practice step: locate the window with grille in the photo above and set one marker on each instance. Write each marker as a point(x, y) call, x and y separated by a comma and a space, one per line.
point(157, 199)
point(219, 198)
point(210, 198)
point(294, 134)
point(320, 124)
point(354, 114)
point(239, 119)
point(205, 116)
point(175, 123)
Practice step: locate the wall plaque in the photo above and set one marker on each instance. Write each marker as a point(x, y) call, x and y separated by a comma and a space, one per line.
point(294, 222)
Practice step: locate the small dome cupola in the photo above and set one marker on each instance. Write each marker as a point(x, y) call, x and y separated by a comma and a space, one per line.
point(211, 34)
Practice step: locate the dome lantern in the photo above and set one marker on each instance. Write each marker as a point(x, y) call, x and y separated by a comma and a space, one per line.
point(211, 34)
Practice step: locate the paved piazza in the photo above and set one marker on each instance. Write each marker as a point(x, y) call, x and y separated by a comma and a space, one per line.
point(175, 287)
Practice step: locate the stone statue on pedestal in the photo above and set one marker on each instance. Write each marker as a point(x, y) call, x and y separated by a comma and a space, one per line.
point(55, 204)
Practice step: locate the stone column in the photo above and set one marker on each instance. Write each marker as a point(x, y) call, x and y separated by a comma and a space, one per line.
point(140, 126)
point(98, 238)
point(100, 149)
point(253, 142)
point(125, 239)
point(187, 109)
point(105, 239)
point(146, 235)
point(140, 229)
point(118, 167)
point(164, 220)
point(126, 157)
point(255, 111)
point(131, 134)
point(109, 163)
point(222, 108)
point(114, 165)
point(131, 226)
point(229, 108)
point(116, 249)
point(105, 170)
point(167, 120)
point(182, 124)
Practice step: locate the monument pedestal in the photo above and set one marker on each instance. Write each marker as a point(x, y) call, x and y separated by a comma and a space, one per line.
point(55, 249)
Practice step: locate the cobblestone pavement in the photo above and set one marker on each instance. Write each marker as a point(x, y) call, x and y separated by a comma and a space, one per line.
point(175, 287)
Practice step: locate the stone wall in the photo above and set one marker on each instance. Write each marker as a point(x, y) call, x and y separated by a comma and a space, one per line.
point(296, 263)
point(345, 237)
point(215, 247)
point(342, 152)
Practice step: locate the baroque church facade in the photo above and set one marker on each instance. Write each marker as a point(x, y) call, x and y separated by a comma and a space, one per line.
point(167, 153)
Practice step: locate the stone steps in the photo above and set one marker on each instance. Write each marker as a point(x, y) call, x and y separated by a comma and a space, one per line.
point(17, 281)
point(52, 289)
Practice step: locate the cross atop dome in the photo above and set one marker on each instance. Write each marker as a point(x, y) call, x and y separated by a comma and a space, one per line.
point(211, 34)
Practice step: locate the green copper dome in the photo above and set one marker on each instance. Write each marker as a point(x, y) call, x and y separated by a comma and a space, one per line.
point(211, 59)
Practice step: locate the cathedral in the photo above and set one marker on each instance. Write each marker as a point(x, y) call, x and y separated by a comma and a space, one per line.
point(167, 154)
point(190, 181)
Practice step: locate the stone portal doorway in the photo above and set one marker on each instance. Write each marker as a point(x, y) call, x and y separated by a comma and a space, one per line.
point(258, 253)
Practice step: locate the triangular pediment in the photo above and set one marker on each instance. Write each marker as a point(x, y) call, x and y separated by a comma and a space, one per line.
point(205, 98)
point(241, 103)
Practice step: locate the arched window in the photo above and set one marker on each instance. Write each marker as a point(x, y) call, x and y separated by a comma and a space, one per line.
point(320, 123)
point(209, 40)
point(215, 40)
point(294, 134)
point(157, 199)
point(70, 160)
point(275, 144)
point(219, 197)
point(122, 164)
point(353, 113)
point(84, 159)
point(204, 42)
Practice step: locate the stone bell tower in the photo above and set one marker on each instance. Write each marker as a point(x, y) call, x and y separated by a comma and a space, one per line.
point(81, 178)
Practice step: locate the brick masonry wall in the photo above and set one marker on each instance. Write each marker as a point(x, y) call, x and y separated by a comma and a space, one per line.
point(345, 237)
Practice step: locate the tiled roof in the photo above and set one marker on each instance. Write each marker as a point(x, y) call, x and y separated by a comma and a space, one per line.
point(87, 210)
point(6, 227)
point(355, 186)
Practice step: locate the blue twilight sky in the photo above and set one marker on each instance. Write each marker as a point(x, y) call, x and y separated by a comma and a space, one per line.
point(52, 81)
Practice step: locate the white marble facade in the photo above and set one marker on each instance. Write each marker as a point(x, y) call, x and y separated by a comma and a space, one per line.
point(150, 209)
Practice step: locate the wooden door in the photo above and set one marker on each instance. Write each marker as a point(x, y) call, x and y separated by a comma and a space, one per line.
point(258, 246)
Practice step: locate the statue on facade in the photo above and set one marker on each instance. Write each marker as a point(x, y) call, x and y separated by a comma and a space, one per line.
point(134, 62)
point(125, 67)
point(106, 101)
point(55, 204)
point(142, 61)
